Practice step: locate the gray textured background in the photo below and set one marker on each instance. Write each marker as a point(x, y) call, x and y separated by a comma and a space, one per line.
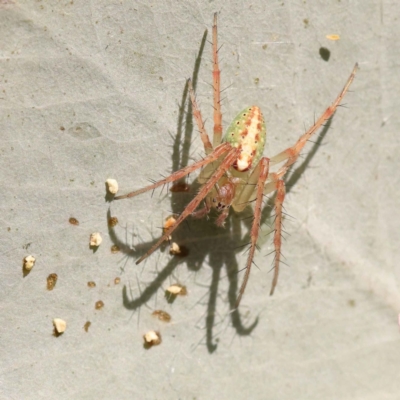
point(91, 90)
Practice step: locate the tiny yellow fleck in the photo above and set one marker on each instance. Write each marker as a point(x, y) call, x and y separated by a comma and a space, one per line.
point(333, 37)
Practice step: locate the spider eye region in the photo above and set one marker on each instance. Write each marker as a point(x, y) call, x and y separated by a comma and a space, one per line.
point(248, 132)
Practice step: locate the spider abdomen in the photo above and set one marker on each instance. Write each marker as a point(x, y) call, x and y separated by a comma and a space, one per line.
point(247, 132)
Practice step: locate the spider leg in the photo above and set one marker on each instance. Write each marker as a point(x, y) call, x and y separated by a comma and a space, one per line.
point(199, 120)
point(280, 197)
point(205, 189)
point(279, 185)
point(218, 152)
point(291, 154)
point(263, 168)
point(217, 89)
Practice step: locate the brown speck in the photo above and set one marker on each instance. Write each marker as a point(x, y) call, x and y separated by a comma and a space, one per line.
point(113, 221)
point(51, 281)
point(351, 302)
point(115, 249)
point(99, 305)
point(117, 280)
point(162, 315)
point(91, 284)
point(73, 221)
point(87, 326)
point(179, 187)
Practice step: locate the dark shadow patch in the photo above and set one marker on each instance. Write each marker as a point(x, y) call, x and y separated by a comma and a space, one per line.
point(324, 53)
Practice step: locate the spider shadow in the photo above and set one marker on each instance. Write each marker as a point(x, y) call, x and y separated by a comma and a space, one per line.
point(203, 237)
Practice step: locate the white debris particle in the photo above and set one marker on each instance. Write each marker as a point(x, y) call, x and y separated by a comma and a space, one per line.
point(29, 262)
point(95, 239)
point(152, 338)
point(60, 325)
point(174, 250)
point(112, 186)
point(177, 289)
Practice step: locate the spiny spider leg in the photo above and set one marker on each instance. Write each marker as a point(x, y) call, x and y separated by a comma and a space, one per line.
point(280, 197)
point(291, 154)
point(217, 89)
point(199, 120)
point(255, 228)
point(219, 151)
point(205, 189)
point(217, 100)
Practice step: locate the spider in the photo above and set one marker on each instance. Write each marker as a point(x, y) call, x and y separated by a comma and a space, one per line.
point(234, 172)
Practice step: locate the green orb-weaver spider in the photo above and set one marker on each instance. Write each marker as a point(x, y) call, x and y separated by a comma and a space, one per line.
point(235, 172)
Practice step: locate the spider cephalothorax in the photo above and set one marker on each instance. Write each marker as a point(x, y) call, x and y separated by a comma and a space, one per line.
point(235, 173)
